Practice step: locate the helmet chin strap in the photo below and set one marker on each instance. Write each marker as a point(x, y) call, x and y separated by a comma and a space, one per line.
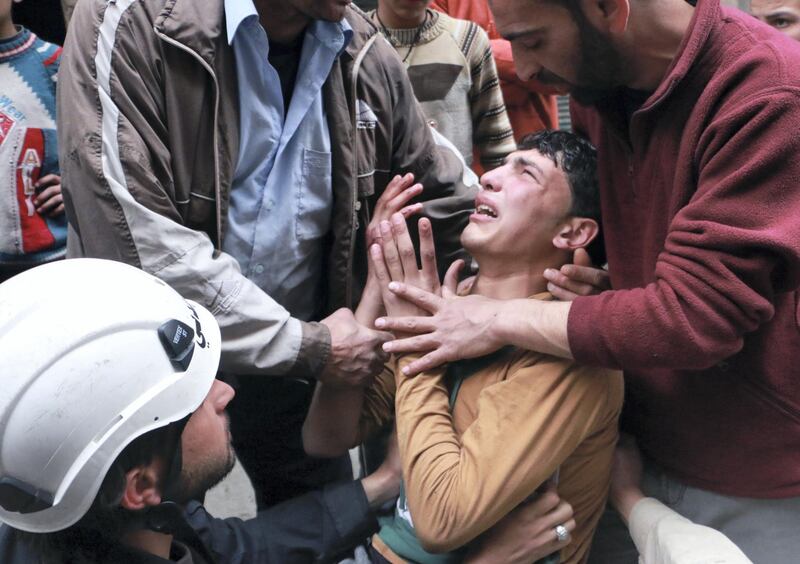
point(172, 484)
point(167, 517)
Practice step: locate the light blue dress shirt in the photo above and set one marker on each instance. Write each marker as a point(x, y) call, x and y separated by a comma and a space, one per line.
point(281, 196)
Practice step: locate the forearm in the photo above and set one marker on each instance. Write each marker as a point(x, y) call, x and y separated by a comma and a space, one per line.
point(313, 527)
point(370, 307)
point(429, 451)
point(625, 501)
point(663, 536)
point(331, 426)
point(258, 334)
point(123, 202)
point(533, 325)
point(721, 266)
point(380, 487)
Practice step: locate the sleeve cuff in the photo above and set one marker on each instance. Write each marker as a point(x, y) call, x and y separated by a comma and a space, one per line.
point(315, 348)
point(644, 517)
point(585, 333)
point(348, 506)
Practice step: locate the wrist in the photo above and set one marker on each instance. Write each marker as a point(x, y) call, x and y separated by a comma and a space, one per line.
point(506, 325)
point(535, 325)
point(625, 500)
point(380, 486)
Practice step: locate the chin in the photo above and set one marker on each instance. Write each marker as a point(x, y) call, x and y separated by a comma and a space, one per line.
point(471, 241)
point(333, 12)
point(197, 477)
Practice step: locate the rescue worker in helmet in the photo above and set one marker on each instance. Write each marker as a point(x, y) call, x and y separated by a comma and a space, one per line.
point(112, 425)
point(111, 421)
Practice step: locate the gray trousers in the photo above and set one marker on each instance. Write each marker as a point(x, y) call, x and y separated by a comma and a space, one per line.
point(766, 530)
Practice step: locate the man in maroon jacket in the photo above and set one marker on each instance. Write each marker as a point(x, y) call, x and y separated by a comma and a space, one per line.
point(695, 112)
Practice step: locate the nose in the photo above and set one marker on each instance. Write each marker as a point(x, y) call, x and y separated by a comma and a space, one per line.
point(528, 70)
point(526, 63)
point(221, 395)
point(491, 181)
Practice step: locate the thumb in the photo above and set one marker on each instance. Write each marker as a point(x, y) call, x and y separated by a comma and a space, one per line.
point(582, 258)
point(451, 278)
point(382, 336)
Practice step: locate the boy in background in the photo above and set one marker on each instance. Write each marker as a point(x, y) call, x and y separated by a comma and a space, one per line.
point(450, 65)
point(33, 229)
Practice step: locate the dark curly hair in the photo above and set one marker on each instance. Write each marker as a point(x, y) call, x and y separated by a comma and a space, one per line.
point(578, 159)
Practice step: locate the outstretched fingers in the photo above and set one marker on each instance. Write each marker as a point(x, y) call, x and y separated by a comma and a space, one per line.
point(379, 266)
point(405, 247)
point(424, 299)
point(405, 196)
point(407, 325)
point(396, 186)
point(391, 255)
point(410, 210)
point(427, 251)
point(431, 360)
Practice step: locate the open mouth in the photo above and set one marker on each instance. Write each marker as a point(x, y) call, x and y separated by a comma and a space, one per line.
point(485, 209)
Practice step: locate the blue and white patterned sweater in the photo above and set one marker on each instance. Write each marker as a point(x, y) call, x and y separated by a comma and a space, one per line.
point(28, 150)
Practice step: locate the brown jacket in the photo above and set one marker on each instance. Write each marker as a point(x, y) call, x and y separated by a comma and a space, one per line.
point(67, 6)
point(148, 138)
point(514, 423)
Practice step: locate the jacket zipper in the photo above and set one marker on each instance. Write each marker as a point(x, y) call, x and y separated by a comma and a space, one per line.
point(217, 188)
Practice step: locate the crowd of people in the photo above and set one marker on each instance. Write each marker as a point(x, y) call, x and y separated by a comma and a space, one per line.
point(284, 231)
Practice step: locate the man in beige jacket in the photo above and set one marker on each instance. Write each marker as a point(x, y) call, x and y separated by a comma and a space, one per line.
point(170, 165)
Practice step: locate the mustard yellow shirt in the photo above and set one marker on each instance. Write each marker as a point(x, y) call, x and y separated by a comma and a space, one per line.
point(512, 426)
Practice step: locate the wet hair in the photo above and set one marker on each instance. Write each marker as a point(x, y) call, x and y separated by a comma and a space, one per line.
point(578, 159)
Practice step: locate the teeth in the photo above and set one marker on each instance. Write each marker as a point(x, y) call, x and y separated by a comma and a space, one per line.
point(483, 209)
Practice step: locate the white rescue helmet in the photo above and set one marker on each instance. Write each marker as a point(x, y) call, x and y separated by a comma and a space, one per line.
point(93, 354)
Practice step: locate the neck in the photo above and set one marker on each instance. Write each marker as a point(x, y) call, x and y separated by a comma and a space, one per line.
point(507, 280)
point(282, 21)
point(656, 33)
point(149, 541)
point(7, 28)
point(393, 20)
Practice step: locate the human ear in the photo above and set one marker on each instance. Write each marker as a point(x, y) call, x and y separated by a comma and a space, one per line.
point(576, 233)
point(141, 487)
point(610, 16)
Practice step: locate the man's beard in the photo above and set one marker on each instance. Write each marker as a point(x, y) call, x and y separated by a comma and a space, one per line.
point(203, 472)
point(204, 475)
point(600, 72)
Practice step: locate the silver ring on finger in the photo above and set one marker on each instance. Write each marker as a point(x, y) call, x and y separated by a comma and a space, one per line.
point(562, 533)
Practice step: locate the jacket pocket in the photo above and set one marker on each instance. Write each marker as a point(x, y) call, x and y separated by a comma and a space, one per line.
point(314, 195)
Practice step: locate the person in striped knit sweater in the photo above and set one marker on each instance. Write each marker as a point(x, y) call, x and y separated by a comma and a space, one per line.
point(454, 77)
point(33, 228)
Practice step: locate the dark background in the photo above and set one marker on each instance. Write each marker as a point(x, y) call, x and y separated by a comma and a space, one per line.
point(42, 17)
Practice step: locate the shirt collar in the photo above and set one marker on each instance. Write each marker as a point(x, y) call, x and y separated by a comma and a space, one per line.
point(236, 11)
point(335, 34)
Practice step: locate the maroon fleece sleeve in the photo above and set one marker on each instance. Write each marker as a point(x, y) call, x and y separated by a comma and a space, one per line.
point(728, 251)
